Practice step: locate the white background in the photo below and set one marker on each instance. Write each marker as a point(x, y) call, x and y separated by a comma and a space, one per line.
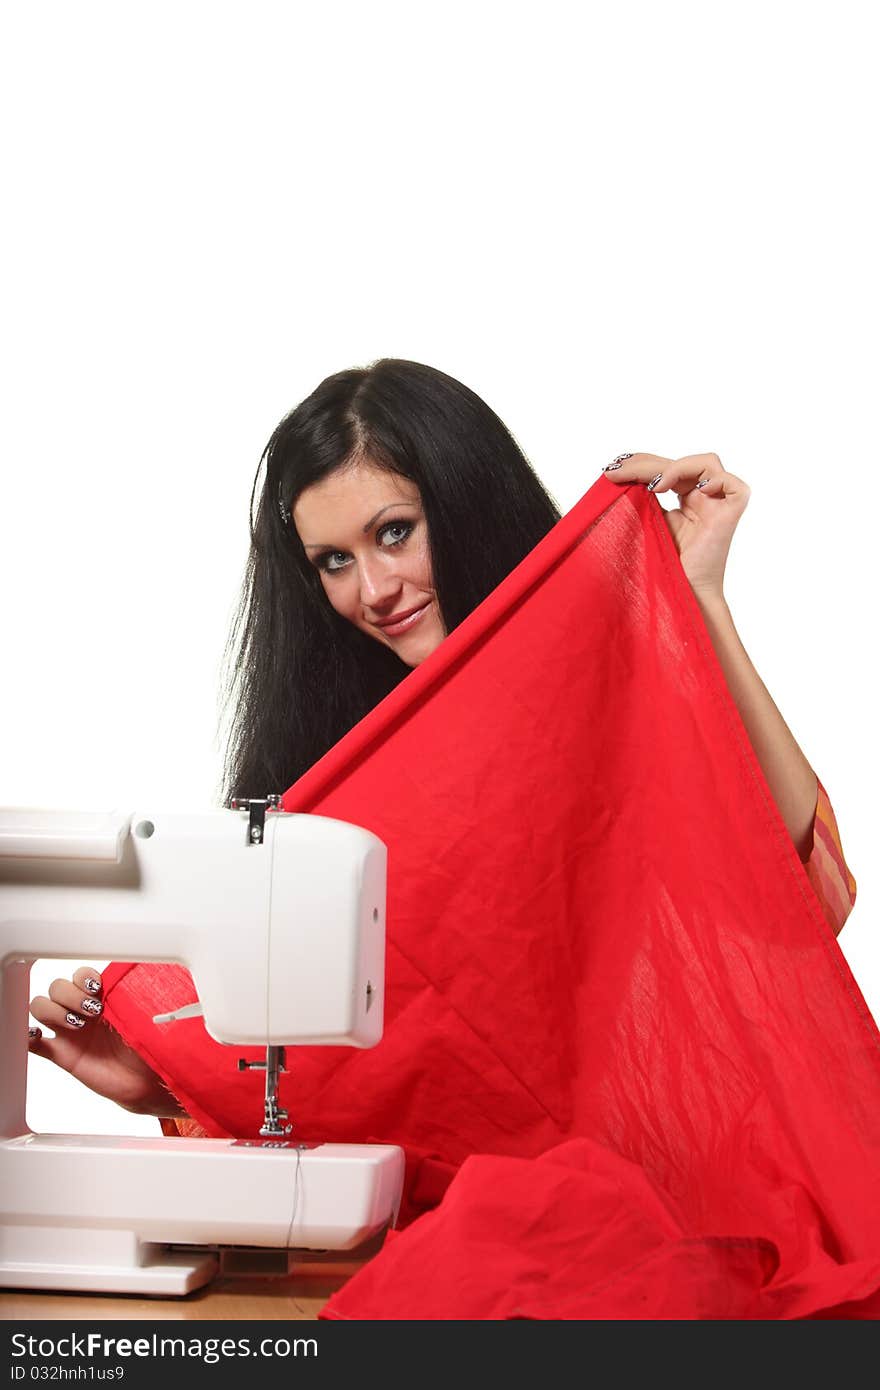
point(627, 226)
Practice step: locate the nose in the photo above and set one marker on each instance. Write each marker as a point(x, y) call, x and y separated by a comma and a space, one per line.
point(379, 583)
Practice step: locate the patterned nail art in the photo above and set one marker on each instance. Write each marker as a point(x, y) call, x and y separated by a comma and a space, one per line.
point(654, 481)
point(610, 467)
point(35, 1032)
point(93, 985)
point(75, 1021)
point(704, 483)
point(92, 1006)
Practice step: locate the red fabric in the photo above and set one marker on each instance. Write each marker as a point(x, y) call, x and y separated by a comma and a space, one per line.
point(611, 995)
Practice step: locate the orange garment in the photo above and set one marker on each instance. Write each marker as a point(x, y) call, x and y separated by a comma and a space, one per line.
point(827, 868)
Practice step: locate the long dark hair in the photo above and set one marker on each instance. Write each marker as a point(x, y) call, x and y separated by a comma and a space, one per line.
point(298, 675)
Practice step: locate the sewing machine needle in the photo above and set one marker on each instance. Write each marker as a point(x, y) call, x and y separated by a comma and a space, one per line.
point(273, 1115)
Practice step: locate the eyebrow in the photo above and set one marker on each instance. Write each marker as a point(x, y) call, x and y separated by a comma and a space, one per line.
point(404, 502)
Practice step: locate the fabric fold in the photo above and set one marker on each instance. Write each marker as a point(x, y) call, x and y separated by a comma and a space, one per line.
point(599, 932)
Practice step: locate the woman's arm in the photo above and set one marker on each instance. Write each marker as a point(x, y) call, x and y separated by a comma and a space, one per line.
point(712, 502)
point(792, 781)
point(800, 796)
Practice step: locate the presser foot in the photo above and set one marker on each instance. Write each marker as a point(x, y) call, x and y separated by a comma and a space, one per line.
point(275, 1130)
point(273, 1126)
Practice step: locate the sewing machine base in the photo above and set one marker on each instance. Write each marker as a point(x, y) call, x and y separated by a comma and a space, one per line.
point(155, 1270)
point(99, 1213)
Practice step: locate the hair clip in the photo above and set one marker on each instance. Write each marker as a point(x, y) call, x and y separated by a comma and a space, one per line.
point(285, 514)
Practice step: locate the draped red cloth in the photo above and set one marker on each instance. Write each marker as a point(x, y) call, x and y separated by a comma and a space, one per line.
point(632, 1072)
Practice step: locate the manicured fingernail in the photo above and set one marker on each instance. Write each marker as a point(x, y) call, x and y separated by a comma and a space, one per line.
point(92, 1006)
point(618, 460)
point(93, 985)
point(654, 481)
point(35, 1032)
point(610, 467)
point(75, 1021)
point(704, 483)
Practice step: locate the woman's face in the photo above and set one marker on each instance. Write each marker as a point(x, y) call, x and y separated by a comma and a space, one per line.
point(364, 531)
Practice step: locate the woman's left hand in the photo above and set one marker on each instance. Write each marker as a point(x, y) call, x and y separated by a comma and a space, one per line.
point(703, 524)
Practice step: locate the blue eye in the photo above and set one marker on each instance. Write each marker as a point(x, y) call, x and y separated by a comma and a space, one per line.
point(324, 561)
point(404, 527)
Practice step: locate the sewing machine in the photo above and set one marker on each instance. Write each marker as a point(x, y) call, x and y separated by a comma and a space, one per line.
point(280, 919)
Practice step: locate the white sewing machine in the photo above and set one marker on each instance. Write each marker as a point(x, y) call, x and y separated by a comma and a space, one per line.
point(280, 919)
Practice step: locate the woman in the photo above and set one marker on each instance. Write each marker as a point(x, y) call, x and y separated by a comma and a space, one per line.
point(394, 501)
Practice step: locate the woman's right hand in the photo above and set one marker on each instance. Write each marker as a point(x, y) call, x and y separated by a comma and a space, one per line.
point(88, 1048)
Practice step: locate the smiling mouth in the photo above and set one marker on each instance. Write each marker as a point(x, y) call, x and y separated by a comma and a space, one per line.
point(396, 629)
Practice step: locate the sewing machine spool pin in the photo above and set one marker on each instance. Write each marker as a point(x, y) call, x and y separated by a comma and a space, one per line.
point(256, 807)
